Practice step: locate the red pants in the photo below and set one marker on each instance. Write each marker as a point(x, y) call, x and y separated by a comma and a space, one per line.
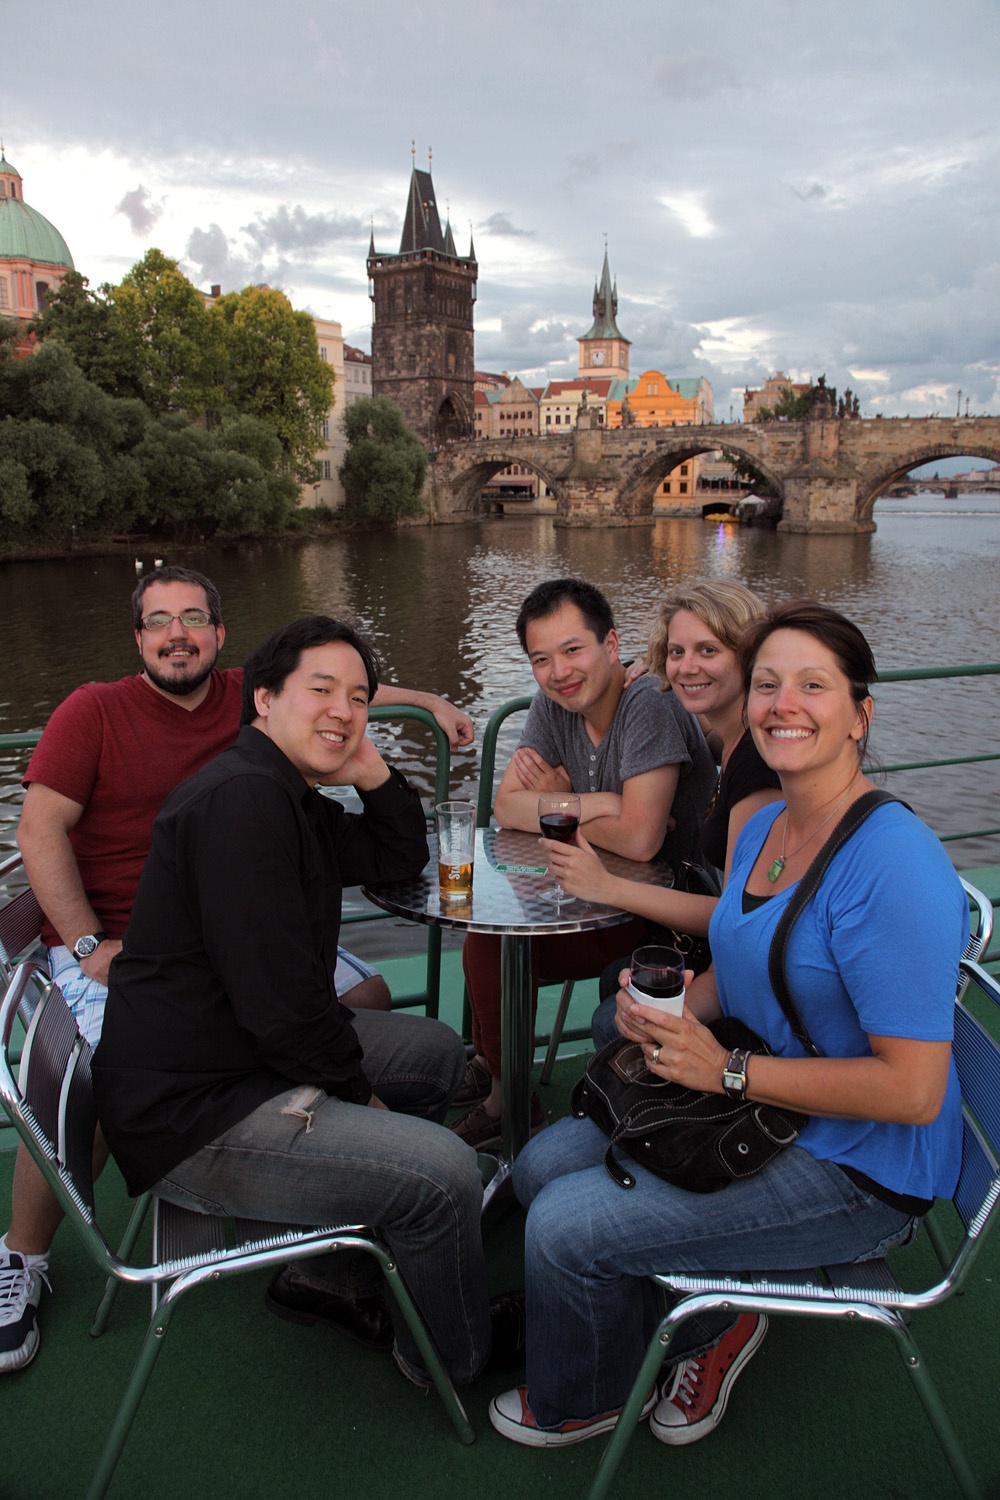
point(578, 955)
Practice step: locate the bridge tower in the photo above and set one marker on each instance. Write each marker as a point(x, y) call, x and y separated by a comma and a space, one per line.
point(603, 348)
point(422, 330)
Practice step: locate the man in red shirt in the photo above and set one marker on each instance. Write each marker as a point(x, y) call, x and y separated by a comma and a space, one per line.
point(109, 755)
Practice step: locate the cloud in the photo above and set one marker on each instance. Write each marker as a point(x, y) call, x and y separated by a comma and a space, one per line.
point(140, 210)
point(693, 76)
point(501, 224)
point(293, 229)
point(213, 253)
point(692, 213)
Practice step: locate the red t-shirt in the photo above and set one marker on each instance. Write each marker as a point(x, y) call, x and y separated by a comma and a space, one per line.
point(118, 748)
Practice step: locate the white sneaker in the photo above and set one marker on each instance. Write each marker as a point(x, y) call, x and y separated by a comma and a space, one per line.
point(20, 1294)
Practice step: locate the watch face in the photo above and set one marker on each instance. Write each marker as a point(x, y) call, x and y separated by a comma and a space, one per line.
point(598, 357)
point(86, 946)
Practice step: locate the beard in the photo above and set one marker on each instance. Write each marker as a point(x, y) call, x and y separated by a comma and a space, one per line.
point(178, 687)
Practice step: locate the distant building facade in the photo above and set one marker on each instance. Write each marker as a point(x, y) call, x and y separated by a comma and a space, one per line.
point(767, 395)
point(357, 375)
point(327, 489)
point(423, 299)
point(34, 257)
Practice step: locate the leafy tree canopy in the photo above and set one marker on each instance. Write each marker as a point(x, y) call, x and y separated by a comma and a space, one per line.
point(273, 370)
point(152, 337)
point(76, 462)
point(385, 464)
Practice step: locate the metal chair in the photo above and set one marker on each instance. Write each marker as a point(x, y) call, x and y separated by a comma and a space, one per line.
point(52, 1107)
point(867, 1293)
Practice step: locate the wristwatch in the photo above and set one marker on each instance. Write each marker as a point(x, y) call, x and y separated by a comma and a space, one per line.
point(88, 944)
point(734, 1074)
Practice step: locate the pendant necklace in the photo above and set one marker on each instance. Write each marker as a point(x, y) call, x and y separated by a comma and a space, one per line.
point(776, 866)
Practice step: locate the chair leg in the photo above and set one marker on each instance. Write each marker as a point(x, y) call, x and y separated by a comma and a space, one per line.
point(557, 1031)
point(112, 1285)
point(135, 1390)
point(629, 1418)
point(432, 1363)
point(936, 1414)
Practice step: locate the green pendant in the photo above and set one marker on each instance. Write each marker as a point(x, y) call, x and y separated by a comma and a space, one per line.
point(775, 869)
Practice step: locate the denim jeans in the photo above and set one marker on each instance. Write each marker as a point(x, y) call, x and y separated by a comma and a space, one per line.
point(304, 1157)
point(590, 1243)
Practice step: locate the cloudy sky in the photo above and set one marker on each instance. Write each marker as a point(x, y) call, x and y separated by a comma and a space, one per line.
point(804, 185)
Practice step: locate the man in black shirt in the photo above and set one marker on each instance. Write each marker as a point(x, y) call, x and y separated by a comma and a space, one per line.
point(228, 1073)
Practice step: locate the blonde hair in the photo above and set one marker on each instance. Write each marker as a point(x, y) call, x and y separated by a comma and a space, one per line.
point(727, 608)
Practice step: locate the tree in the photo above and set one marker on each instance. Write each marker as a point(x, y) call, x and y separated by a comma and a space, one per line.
point(66, 449)
point(385, 465)
point(793, 406)
point(172, 356)
point(273, 370)
point(84, 322)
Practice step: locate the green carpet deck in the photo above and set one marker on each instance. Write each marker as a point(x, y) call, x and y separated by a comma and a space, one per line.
point(244, 1405)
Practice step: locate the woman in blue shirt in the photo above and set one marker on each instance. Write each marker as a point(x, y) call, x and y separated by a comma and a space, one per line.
point(872, 965)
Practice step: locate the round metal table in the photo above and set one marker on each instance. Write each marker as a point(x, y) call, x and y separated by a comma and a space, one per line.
point(509, 874)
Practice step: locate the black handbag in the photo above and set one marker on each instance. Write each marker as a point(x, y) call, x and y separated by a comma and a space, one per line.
point(695, 1139)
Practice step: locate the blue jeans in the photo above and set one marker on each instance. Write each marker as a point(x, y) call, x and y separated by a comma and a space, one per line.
point(304, 1157)
point(590, 1243)
point(602, 1022)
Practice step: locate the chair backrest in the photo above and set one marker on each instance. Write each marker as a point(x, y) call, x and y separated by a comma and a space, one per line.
point(977, 1060)
point(51, 1100)
point(981, 926)
point(20, 921)
point(488, 759)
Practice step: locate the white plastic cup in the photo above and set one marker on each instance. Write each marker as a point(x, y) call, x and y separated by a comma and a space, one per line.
point(657, 978)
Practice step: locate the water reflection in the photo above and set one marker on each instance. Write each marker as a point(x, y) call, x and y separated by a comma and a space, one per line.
point(441, 604)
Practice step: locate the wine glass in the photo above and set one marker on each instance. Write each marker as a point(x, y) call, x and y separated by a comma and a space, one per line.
point(558, 818)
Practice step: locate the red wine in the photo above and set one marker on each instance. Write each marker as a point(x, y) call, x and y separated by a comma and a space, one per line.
point(559, 826)
point(663, 991)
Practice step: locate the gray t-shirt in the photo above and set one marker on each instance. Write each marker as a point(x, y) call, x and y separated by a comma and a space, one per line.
point(650, 729)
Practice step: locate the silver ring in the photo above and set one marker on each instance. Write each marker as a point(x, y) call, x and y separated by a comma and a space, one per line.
point(654, 1056)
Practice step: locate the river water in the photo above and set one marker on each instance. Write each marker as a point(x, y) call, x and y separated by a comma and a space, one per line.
point(441, 603)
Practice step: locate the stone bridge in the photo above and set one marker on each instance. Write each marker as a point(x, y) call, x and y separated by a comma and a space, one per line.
point(827, 471)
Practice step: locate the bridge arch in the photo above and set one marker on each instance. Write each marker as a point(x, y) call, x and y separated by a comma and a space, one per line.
point(467, 480)
point(643, 474)
point(887, 474)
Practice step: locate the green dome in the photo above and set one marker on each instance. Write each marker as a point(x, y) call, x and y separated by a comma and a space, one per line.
point(25, 234)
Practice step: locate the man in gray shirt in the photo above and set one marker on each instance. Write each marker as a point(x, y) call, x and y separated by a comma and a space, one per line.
point(644, 774)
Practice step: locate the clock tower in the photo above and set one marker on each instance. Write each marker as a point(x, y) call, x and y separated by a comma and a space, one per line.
point(603, 350)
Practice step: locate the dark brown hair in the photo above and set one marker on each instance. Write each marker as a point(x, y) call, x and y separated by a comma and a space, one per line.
point(834, 631)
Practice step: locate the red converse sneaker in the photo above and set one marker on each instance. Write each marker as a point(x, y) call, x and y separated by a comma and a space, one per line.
point(695, 1396)
point(512, 1417)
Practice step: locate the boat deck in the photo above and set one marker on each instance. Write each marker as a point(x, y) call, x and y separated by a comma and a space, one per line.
point(244, 1405)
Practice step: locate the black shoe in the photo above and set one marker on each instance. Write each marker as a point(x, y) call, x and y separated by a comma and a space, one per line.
point(507, 1320)
point(295, 1297)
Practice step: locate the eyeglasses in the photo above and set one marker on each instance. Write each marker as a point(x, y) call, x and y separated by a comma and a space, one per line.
point(191, 619)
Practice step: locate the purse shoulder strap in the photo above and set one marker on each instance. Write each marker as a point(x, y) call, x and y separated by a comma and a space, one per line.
point(803, 893)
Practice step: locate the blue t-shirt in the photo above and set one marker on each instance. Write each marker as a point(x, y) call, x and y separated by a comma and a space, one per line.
point(874, 953)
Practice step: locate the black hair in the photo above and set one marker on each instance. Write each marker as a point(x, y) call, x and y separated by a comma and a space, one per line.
point(271, 663)
point(553, 594)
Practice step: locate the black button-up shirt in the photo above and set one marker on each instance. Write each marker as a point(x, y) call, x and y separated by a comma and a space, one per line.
point(223, 994)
